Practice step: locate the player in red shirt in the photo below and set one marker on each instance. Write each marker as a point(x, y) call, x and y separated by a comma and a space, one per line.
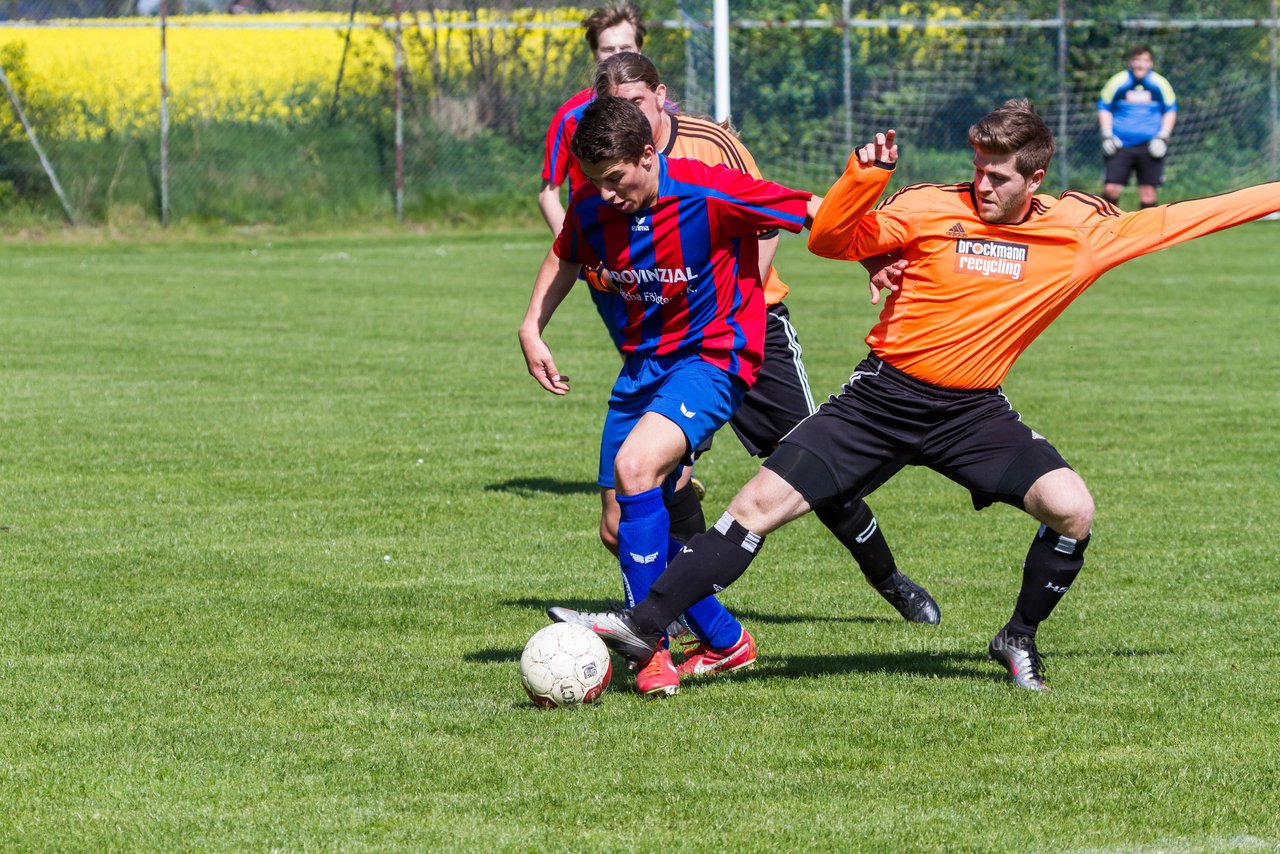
point(990, 265)
point(610, 29)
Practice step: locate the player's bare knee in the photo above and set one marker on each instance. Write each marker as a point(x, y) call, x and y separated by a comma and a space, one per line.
point(633, 474)
point(1061, 500)
point(1077, 519)
point(1077, 510)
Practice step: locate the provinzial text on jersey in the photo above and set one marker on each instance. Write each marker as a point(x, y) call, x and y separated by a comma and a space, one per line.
point(659, 275)
point(991, 258)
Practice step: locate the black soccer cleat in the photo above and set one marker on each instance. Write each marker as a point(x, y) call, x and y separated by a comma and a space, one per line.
point(1018, 655)
point(615, 628)
point(912, 601)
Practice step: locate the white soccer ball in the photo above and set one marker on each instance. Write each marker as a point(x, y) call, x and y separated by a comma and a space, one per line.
point(565, 665)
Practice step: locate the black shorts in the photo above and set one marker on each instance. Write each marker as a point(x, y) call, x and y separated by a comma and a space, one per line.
point(1134, 159)
point(780, 399)
point(884, 420)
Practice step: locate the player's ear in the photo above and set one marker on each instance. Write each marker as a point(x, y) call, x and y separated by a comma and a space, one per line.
point(647, 157)
point(1036, 179)
point(661, 92)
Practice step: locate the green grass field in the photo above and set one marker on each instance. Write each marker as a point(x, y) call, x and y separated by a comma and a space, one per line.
point(276, 519)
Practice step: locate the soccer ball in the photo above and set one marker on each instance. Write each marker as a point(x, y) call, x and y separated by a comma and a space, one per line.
point(565, 665)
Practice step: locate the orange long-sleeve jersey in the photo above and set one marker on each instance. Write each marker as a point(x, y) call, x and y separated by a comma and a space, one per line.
point(975, 295)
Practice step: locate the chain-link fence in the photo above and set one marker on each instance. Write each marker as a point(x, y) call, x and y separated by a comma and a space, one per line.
point(346, 109)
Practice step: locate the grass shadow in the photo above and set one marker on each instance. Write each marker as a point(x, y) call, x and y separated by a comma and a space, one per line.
point(531, 487)
point(541, 605)
point(936, 665)
point(748, 615)
point(493, 655)
point(752, 616)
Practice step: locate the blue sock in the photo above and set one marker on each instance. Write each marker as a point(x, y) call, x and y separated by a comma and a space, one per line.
point(642, 542)
point(708, 619)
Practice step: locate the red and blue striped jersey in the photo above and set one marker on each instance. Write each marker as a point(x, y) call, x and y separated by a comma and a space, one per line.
point(688, 267)
point(558, 162)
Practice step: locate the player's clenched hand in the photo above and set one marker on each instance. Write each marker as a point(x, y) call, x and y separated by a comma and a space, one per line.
point(600, 279)
point(883, 150)
point(887, 278)
point(542, 366)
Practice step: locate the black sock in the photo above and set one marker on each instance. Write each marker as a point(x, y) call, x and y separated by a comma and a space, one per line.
point(1052, 563)
point(708, 564)
point(855, 526)
point(685, 512)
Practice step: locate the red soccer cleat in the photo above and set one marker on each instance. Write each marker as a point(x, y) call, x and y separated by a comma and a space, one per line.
point(702, 660)
point(658, 676)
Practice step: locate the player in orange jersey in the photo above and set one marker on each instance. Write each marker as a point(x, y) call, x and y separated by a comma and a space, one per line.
point(990, 265)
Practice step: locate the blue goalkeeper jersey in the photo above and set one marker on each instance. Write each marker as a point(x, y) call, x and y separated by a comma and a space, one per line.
point(1137, 106)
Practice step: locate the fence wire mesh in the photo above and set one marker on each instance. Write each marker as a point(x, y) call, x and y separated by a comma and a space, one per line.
point(286, 111)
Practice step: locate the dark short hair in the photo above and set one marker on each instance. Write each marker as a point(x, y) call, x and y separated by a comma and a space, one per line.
point(1138, 50)
point(611, 129)
point(610, 16)
point(1015, 128)
point(623, 68)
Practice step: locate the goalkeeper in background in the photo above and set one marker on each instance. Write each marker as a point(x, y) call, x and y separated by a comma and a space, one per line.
point(1136, 113)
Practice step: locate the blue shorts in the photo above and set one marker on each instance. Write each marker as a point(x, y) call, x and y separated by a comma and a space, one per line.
point(695, 395)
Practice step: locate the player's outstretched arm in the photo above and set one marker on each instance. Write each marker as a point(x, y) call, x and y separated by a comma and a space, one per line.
point(1138, 232)
point(555, 280)
point(835, 231)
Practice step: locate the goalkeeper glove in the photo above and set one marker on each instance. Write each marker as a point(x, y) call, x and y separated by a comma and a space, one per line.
point(1110, 145)
point(1158, 147)
point(598, 278)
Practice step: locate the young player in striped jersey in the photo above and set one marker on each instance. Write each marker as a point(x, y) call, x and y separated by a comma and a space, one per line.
point(781, 398)
point(990, 265)
point(678, 239)
point(609, 30)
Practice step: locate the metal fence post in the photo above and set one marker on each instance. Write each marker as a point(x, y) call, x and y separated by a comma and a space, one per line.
point(164, 112)
point(846, 59)
point(35, 143)
point(1064, 140)
point(399, 75)
point(342, 63)
point(1275, 100)
point(720, 10)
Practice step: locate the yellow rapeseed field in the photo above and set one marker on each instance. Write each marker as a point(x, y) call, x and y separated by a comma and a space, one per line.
point(87, 82)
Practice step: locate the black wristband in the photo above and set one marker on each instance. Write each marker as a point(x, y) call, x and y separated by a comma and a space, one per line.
point(889, 166)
